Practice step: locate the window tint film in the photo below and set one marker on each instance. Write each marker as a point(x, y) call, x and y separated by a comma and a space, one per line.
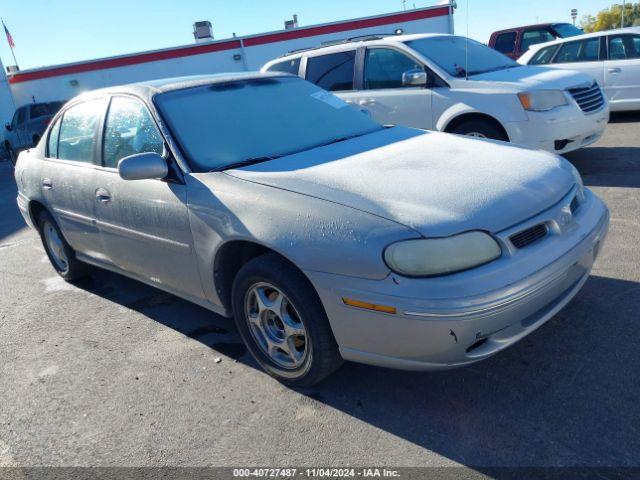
point(506, 42)
point(52, 144)
point(77, 131)
point(384, 68)
point(544, 56)
point(332, 72)
point(584, 51)
point(129, 130)
point(533, 37)
point(288, 66)
point(624, 47)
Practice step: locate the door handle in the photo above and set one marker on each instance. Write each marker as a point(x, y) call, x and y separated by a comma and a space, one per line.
point(367, 102)
point(47, 184)
point(615, 70)
point(103, 196)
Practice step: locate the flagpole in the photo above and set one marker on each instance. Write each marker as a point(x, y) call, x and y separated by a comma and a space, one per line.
point(13, 54)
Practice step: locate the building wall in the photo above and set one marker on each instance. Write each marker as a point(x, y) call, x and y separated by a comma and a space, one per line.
point(66, 81)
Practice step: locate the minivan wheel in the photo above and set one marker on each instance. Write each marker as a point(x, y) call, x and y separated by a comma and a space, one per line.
point(283, 323)
point(61, 255)
point(480, 129)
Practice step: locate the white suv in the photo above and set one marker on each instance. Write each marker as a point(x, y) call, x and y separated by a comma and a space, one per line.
point(611, 57)
point(454, 84)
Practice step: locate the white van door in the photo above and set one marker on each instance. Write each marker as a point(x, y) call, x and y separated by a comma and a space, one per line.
point(622, 72)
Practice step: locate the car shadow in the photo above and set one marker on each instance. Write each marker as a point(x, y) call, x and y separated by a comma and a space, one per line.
point(625, 117)
point(608, 166)
point(564, 396)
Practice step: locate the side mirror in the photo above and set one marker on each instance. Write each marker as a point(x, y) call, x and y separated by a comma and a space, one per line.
point(415, 77)
point(143, 166)
point(7, 126)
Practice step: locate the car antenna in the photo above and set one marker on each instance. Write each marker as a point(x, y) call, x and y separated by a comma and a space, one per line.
point(466, 48)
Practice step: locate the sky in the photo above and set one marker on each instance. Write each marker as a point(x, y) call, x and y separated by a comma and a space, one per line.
point(49, 32)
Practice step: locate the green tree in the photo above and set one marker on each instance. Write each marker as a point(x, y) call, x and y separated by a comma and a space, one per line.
point(611, 18)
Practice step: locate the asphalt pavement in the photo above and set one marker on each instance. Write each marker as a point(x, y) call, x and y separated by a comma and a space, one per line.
point(115, 373)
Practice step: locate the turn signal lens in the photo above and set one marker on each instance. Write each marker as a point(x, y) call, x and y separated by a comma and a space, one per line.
point(369, 306)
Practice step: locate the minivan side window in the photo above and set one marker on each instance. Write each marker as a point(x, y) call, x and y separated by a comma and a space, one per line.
point(544, 56)
point(624, 47)
point(506, 42)
point(78, 129)
point(333, 72)
point(52, 142)
point(579, 51)
point(288, 66)
point(129, 130)
point(383, 68)
point(533, 37)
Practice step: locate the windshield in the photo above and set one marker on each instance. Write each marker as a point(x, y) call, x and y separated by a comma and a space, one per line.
point(460, 56)
point(225, 124)
point(566, 30)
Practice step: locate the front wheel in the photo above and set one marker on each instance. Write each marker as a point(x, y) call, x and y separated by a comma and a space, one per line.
point(11, 153)
point(283, 323)
point(480, 129)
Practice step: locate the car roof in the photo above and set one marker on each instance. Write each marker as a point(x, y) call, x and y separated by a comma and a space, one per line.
point(355, 42)
point(150, 88)
point(537, 25)
point(539, 46)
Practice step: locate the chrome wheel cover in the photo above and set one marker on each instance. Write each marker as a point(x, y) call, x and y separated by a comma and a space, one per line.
point(276, 326)
point(55, 246)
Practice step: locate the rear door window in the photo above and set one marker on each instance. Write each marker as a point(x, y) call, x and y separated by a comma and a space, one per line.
point(506, 42)
point(78, 131)
point(333, 72)
point(288, 66)
point(39, 110)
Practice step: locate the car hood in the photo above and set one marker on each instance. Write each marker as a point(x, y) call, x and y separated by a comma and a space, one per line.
point(525, 77)
point(435, 183)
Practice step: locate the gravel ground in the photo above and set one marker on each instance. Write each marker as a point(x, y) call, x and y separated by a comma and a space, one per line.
point(112, 372)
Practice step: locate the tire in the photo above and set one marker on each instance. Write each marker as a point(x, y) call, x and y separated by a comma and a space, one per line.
point(61, 255)
point(303, 360)
point(480, 129)
point(11, 153)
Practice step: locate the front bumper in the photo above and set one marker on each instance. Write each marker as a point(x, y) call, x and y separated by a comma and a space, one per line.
point(452, 321)
point(559, 131)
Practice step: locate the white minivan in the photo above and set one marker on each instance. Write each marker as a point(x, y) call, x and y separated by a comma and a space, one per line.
point(612, 58)
point(457, 85)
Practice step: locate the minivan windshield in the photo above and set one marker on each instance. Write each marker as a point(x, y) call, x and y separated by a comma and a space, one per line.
point(566, 30)
point(230, 124)
point(460, 56)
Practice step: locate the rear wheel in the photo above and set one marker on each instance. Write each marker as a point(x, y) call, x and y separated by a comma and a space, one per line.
point(61, 255)
point(480, 129)
point(283, 323)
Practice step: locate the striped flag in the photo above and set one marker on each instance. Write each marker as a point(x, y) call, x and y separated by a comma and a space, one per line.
point(9, 37)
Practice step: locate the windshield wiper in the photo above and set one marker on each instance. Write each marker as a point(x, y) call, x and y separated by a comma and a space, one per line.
point(247, 162)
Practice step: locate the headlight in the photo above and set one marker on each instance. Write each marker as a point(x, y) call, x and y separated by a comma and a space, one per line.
point(441, 256)
point(578, 179)
point(542, 100)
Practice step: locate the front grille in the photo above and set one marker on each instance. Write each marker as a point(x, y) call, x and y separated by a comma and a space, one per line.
point(589, 99)
point(529, 236)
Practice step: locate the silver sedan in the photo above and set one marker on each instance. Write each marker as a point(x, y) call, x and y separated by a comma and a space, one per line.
point(327, 236)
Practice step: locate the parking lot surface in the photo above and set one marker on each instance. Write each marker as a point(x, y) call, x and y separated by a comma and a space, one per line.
point(114, 373)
